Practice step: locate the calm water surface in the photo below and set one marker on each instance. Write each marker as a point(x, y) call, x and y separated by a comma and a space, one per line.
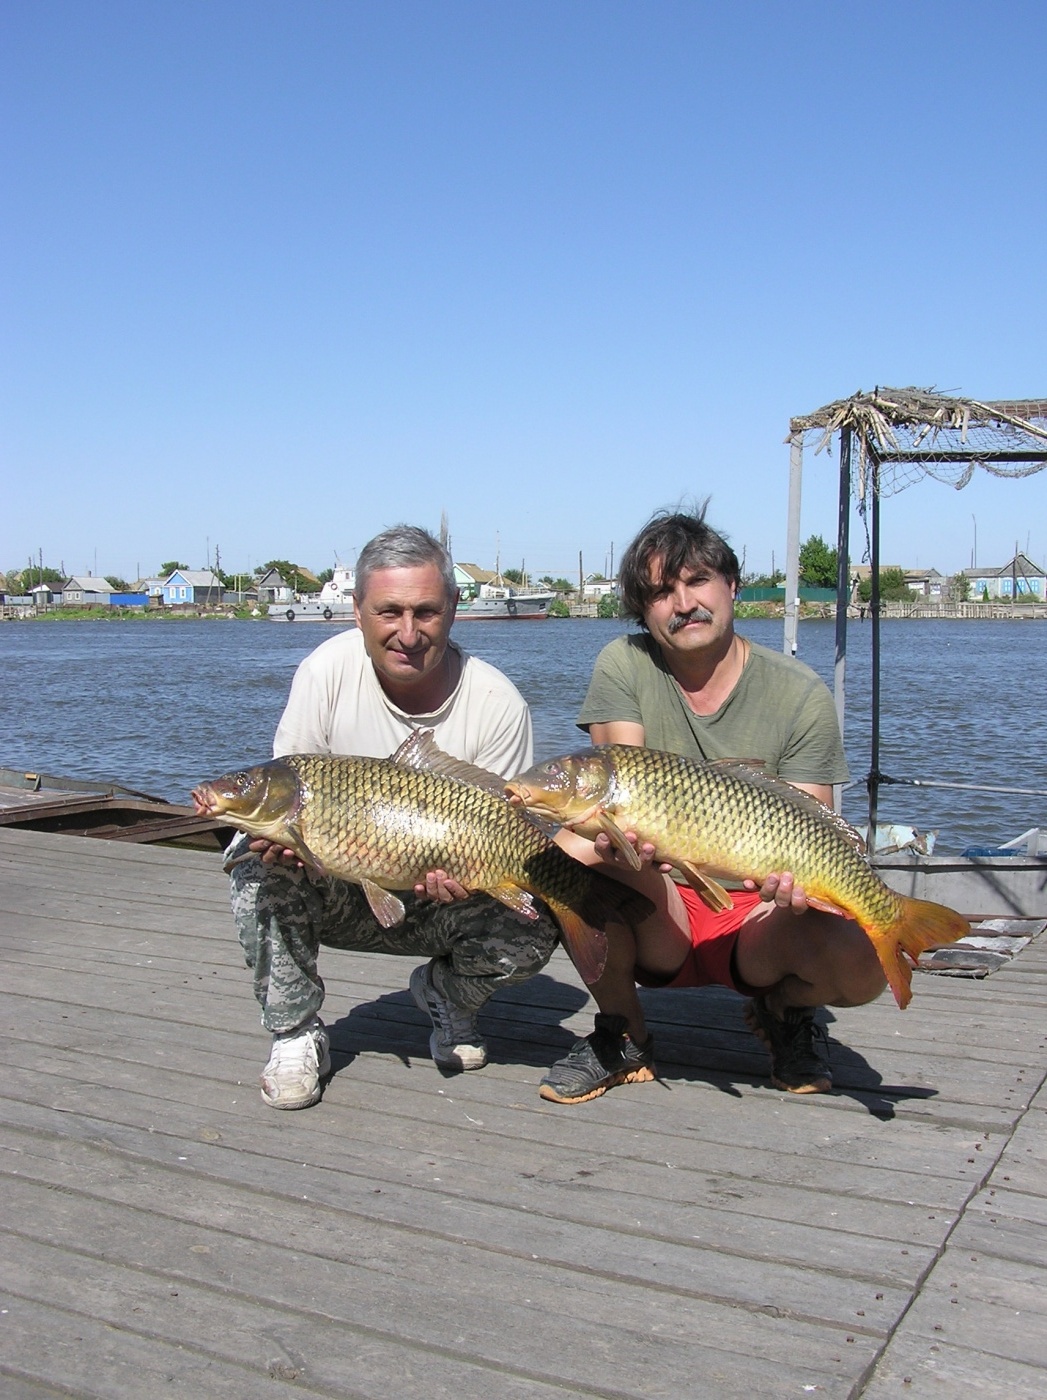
point(159, 705)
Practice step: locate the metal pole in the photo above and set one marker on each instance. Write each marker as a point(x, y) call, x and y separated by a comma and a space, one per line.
point(843, 587)
point(874, 610)
point(792, 546)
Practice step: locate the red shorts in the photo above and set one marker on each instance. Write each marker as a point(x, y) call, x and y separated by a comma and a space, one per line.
point(710, 960)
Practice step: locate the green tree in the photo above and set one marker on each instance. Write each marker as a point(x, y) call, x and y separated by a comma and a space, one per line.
point(29, 578)
point(513, 576)
point(170, 567)
point(324, 576)
point(607, 606)
point(818, 563)
point(961, 588)
point(893, 588)
point(117, 584)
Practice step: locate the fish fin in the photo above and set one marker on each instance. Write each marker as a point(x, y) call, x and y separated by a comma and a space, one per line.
point(711, 892)
point(516, 899)
point(580, 927)
point(421, 752)
point(586, 946)
point(921, 924)
point(295, 841)
point(827, 907)
point(387, 909)
point(616, 836)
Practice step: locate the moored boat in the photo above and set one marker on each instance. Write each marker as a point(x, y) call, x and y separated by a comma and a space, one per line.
point(79, 807)
point(505, 604)
point(334, 602)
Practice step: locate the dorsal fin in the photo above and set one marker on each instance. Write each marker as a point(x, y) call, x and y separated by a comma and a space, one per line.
point(421, 752)
point(804, 801)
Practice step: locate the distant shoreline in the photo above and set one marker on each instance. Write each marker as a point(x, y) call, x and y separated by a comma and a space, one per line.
point(810, 612)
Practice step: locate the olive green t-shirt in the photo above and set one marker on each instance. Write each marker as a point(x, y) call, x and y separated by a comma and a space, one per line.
point(780, 712)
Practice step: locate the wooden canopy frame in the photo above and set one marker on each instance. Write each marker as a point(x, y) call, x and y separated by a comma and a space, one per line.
point(889, 439)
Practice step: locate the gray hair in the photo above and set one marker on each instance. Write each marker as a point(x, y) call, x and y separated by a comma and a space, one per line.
point(403, 547)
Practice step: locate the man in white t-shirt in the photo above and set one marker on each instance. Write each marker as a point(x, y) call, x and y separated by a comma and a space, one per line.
point(364, 692)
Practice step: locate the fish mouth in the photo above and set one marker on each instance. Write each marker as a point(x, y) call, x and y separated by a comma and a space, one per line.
point(204, 800)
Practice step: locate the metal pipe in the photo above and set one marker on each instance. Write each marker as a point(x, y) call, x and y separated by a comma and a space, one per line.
point(843, 588)
point(792, 546)
point(874, 609)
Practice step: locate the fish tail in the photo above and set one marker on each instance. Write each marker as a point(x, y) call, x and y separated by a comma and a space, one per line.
point(586, 945)
point(921, 924)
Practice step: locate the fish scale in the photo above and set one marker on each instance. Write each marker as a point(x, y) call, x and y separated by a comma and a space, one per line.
point(385, 826)
point(397, 824)
point(730, 821)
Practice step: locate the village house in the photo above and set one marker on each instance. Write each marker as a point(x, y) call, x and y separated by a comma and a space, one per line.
point(1018, 578)
point(86, 592)
point(192, 586)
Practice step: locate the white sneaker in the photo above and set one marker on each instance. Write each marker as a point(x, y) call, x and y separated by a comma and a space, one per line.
point(297, 1063)
point(455, 1042)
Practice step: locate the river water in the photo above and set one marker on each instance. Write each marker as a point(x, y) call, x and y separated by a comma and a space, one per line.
point(158, 706)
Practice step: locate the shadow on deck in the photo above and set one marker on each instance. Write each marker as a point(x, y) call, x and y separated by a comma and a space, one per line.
point(417, 1235)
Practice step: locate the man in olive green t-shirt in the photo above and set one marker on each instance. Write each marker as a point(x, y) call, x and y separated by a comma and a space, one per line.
point(691, 685)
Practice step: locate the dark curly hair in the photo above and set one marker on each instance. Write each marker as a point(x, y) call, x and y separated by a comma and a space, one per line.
point(682, 541)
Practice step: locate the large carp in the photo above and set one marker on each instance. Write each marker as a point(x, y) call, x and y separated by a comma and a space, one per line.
point(729, 821)
point(383, 825)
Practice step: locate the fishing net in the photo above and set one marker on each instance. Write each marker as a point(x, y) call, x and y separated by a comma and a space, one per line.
point(908, 434)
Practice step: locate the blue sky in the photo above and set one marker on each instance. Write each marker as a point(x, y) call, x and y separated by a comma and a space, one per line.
point(277, 275)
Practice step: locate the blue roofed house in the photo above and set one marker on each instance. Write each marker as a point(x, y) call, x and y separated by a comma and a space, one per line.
point(186, 587)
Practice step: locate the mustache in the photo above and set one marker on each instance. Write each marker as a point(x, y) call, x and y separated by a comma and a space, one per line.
point(696, 614)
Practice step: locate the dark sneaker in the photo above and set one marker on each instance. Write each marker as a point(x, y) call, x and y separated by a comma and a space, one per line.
point(455, 1043)
point(799, 1047)
point(599, 1062)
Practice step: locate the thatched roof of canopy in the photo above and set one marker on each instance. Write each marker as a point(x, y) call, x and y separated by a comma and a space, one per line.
point(910, 433)
point(888, 440)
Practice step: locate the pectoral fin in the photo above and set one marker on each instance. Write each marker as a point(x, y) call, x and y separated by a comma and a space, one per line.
point(518, 900)
point(616, 836)
point(587, 946)
point(387, 909)
point(827, 908)
point(710, 891)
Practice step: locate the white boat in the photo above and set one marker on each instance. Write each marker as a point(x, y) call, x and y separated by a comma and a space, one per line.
point(334, 602)
point(498, 603)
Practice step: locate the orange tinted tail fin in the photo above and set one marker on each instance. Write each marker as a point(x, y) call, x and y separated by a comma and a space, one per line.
point(921, 925)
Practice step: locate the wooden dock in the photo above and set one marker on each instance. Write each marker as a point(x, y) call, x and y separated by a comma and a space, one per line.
point(420, 1237)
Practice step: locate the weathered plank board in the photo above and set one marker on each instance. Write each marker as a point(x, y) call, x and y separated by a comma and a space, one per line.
point(420, 1235)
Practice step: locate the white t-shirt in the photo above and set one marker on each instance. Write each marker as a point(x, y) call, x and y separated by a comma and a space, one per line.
point(337, 706)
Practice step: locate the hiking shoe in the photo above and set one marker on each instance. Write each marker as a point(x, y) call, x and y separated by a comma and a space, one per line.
point(297, 1062)
point(455, 1043)
point(603, 1059)
point(799, 1047)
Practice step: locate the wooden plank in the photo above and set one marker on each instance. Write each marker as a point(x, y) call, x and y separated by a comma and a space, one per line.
point(445, 1235)
point(481, 1315)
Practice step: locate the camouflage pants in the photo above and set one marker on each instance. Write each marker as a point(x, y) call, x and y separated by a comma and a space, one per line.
point(284, 915)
